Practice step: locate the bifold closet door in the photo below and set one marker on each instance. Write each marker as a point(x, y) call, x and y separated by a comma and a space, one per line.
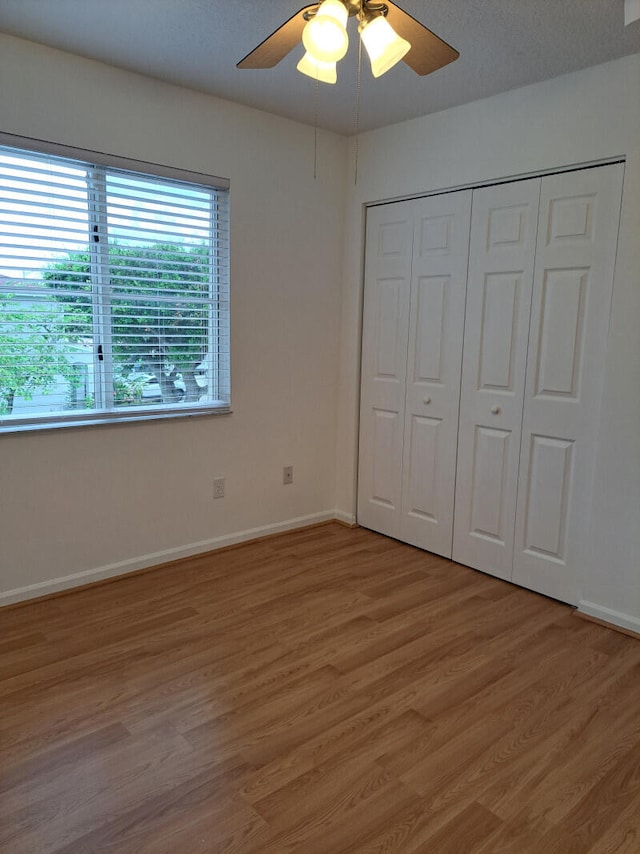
point(577, 238)
point(436, 327)
point(387, 296)
point(501, 266)
point(415, 280)
point(541, 256)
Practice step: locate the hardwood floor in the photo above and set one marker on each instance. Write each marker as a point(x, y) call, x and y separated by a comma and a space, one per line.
point(326, 691)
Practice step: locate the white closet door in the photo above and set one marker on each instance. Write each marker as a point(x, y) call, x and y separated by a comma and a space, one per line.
point(436, 326)
point(577, 237)
point(389, 242)
point(501, 264)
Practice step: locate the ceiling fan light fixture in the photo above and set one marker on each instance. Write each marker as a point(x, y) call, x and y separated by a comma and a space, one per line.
point(325, 35)
point(325, 72)
point(384, 46)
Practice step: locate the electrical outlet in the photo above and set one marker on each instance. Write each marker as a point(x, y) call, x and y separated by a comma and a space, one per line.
point(287, 474)
point(218, 487)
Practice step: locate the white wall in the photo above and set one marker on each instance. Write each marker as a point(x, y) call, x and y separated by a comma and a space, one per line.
point(101, 500)
point(579, 118)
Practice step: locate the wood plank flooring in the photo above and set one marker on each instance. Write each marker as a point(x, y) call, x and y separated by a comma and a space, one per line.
point(328, 691)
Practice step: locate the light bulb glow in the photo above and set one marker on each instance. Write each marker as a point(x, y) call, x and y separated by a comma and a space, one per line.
point(384, 46)
point(325, 72)
point(325, 35)
point(333, 9)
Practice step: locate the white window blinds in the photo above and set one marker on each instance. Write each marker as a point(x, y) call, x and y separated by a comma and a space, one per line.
point(113, 293)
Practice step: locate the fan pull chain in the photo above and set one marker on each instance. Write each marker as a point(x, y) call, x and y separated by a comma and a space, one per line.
point(355, 170)
point(315, 131)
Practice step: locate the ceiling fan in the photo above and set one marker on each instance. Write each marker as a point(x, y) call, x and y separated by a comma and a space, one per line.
point(388, 34)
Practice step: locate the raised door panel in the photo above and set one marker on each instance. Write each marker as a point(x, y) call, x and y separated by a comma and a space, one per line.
point(579, 214)
point(561, 332)
point(489, 510)
point(439, 272)
point(389, 248)
point(547, 478)
point(501, 265)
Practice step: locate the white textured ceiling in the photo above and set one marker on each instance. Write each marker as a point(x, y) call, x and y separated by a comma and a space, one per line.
point(196, 43)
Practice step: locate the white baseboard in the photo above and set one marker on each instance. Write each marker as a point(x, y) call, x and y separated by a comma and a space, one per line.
point(112, 570)
point(347, 518)
point(616, 618)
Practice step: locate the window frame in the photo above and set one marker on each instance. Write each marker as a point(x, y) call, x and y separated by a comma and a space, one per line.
point(98, 163)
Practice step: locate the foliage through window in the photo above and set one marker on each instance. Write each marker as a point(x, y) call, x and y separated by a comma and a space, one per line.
point(113, 293)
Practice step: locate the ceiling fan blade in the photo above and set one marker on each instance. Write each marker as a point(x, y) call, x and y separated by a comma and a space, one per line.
point(428, 51)
point(276, 46)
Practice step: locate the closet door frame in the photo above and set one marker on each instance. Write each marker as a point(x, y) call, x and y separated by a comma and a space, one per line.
point(394, 529)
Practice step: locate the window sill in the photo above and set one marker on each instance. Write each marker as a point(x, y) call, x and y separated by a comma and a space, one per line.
point(127, 415)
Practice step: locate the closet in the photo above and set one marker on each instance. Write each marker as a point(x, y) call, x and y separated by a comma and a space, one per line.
point(485, 321)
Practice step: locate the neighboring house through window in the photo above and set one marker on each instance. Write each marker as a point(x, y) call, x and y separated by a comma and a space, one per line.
point(113, 291)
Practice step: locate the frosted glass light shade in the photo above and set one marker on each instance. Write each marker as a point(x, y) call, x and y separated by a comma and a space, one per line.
point(325, 35)
point(384, 46)
point(323, 71)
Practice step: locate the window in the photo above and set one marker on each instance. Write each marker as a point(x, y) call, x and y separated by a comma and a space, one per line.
point(113, 292)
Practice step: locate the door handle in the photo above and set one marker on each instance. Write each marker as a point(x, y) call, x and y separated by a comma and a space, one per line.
point(495, 410)
point(427, 400)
